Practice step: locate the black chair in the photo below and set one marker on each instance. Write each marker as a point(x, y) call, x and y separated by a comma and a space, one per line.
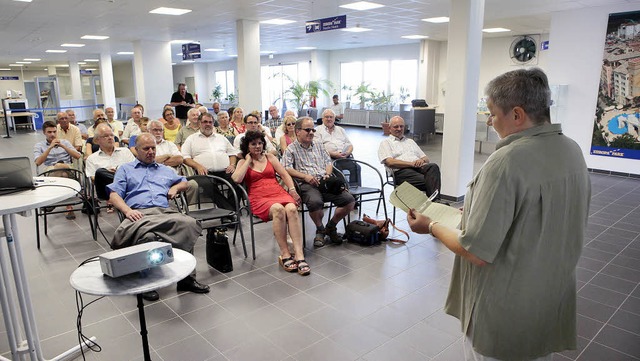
point(355, 174)
point(208, 208)
point(253, 220)
point(76, 201)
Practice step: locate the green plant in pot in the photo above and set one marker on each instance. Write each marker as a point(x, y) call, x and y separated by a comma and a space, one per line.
point(348, 92)
point(383, 103)
point(364, 93)
point(315, 87)
point(232, 99)
point(216, 94)
point(404, 95)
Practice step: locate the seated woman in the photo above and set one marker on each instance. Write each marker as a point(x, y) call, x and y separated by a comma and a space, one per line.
point(171, 125)
point(270, 201)
point(289, 130)
point(144, 121)
point(237, 120)
point(224, 128)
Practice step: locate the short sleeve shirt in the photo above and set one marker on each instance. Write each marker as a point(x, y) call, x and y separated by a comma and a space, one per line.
point(401, 149)
point(213, 151)
point(336, 141)
point(56, 155)
point(312, 160)
point(101, 159)
point(72, 135)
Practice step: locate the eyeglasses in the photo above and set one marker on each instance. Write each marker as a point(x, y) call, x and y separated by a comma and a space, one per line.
point(309, 130)
point(252, 122)
point(101, 118)
point(289, 124)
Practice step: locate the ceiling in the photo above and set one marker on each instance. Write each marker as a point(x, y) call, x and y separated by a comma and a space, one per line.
point(27, 30)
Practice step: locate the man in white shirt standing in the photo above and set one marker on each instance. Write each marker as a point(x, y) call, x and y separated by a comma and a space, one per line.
point(337, 108)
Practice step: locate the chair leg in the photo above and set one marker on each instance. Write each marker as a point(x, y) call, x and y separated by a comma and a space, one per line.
point(37, 228)
point(45, 222)
point(304, 233)
point(253, 237)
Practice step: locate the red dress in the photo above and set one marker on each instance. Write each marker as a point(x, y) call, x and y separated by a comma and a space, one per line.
point(265, 191)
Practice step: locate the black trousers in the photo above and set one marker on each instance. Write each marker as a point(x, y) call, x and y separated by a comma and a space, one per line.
point(425, 178)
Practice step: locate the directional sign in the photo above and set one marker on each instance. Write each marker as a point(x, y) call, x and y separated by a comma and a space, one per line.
point(190, 51)
point(336, 22)
point(9, 78)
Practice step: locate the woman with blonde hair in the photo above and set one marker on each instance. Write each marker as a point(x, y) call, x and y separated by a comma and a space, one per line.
point(288, 127)
point(237, 120)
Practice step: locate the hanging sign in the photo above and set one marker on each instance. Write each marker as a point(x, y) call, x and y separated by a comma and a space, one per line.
point(332, 23)
point(190, 51)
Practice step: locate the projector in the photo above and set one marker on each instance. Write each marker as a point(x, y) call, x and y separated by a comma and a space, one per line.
point(135, 258)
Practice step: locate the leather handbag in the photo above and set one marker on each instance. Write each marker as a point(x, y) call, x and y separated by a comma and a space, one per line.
point(383, 226)
point(332, 185)
point(363, 233)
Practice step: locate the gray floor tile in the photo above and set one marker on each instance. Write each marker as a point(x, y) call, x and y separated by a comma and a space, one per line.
point(195, 346)
point(393, 348)
point(594, 310)
point(256, 348)
point(627, 321)
point(293, 336)
point(602, 295)
point(229, 335)
point(325, 349)
point(598, 352)
point(619, 340)
point(613, 283)
point(206, 318)
point(632, 304)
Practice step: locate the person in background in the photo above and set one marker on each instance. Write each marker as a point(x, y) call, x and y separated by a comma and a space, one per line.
point(116, 125)
point(165, 107)
point(274, 121)
point(167, 153)
point(182, 101)
point(224, 128)
point(253, 123)
point(269, 201)
point(513, 285)
point(133, 125)
point(68, 131)
point(287, 128)
point(335, 141)
point(192, 127)
point(237, 120)
point(91, 147)
point(72, 119)
point(337, 108)
point(171, 125)
point(216, 110)
point(144, 122)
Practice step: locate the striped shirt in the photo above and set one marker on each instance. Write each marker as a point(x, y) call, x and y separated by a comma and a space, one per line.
point(312, 160)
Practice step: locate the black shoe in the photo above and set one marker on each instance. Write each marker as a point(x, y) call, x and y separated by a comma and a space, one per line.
point(151, 296)
point(190, 284)
point(332, 233)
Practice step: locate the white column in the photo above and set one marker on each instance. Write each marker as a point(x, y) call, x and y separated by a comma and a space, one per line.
point(201, 83)
point(428, 71)
point(106, 81)
point(153, 76)
point(76, 83)
point(463, 72)
point(249, 85)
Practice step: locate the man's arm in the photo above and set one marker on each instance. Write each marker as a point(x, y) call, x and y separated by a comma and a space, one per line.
point(177, 188)
point(131, 214)
point(170, 160)
point(200, 169)
point(400, 164)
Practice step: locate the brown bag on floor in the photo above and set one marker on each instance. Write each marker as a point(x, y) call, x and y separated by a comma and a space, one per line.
point(383, 224)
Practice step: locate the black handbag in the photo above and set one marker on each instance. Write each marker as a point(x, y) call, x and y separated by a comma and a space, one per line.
point(332, 185)
point(218, 252)
point(363, 233)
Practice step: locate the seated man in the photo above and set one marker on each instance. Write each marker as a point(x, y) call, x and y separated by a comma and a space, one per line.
point(141, 190)
point(274, 121)
point(116, 125)
point(407, 161)
point(167, 153)
point(69, 131)
point(193, 125)
point(102, 165)
point(55, 153)
point(307, 160)
point(338, 145)
point(133, 124)
point(253, 123)
point(84, 132)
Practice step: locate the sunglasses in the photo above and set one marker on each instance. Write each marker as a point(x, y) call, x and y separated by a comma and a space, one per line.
point(101, 118)
point(309, 130)
point(288, 124)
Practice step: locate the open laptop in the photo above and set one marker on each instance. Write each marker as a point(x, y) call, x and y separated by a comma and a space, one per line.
point(15, 174)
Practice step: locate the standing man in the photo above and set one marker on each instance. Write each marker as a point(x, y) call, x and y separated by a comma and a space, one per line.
point(307, 160)
point(84, 132)
point(116, 125)
point(513, 285)
point(182, 101)
point(407, 161)
point(337, 108)
point(274, 120)
point(69, 131)
point(338, 145)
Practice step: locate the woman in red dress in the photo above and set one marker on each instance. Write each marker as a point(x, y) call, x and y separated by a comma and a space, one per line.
point(270, 201)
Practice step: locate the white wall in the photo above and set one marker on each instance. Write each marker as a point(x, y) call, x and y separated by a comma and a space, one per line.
point(123, 80)
point(18, 85)
point(576, 47)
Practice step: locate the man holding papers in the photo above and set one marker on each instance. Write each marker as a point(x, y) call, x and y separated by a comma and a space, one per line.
point(513, 284)
point(407, 161)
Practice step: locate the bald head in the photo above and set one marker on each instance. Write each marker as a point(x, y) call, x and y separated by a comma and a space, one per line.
point(397, 127)
point(146, 148)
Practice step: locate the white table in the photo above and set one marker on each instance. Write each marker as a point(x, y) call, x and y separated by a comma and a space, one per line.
point(49, 191)
point(89, 279)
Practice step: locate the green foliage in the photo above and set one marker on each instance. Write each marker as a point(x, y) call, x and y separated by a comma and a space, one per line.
point(404, 94)
point(598, 139)
point(364, 93)
point(626, 141)
point(216, 94)
point(301, 93)
point(382, 102)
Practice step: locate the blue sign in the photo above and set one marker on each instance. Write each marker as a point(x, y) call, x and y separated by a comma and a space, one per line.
point(9, 77)
point(333, 23)
point(86, 72)
point(544, 45)
point(190, 51)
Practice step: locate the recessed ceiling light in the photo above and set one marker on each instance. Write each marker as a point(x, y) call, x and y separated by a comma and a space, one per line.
point(437, 20)
point(357, 29)
point(23, 62)
point(125, 53)
point(277, 22)
point(81, 63)
point(94, 37)
point(306, 47)
point(55, 51)
point(179, 41)
point(188, 61)
point(24, 1)
point(362, 5)
point(92, 60)
point(62, 66)
point(169, 11)
point(16, 64)
point(69, 45)
point(5, 69)
point(233, 55)
point(31, 59)
point(495, 30)
point(213, 49)
point(91, 69)
point(267, 52)
point(415, 37)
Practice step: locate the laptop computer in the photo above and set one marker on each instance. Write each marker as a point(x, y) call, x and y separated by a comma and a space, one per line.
point(15, 174)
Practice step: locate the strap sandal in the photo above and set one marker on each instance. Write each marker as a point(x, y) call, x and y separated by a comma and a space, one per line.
point(303, 268)
point(318, 240)
point(288, 264)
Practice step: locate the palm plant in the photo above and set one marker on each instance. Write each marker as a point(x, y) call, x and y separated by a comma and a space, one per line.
point(364, 93)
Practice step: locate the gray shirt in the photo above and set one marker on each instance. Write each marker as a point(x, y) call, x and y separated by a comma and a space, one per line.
point(56, 155)
point(525, 213)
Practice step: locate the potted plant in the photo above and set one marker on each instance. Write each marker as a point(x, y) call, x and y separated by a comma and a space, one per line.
point(232, 99)
point(383, 103)
point(315, 87)
point(216, 94)
point(404, 95)
point(364, 93)
point(348, 91)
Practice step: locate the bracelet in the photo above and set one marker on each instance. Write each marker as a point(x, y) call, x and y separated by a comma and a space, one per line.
point(433, 223)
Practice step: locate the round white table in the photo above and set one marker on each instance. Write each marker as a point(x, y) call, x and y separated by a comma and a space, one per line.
point(49, 190)
point(89, 279)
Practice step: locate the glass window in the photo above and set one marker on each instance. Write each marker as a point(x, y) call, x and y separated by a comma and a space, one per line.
point(404, 79)
point(350, 78)
point(227, 82)
point(277, 79)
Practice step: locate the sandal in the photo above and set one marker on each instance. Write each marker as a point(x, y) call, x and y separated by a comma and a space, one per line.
point(318, 241)
point(303, 268)
point(110, 208)
point(288, 264)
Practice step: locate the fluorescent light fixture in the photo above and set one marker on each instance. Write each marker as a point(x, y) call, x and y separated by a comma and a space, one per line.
point(267, 52)
point(277, 22)
point(495, 30)
point(169, 11)
point(357, 29)
point(180, 41)
point(24, 1)
point(188, 61)
point(415, 37)
point(62, 66)
point(16, 64)
point(362, 5)
point(23, 62)
point(437, 20)
point(94, 37)
point(306, 47)
point(173, 63)
point(31, 59)
point(5, 69)
point(55, 51)
point(91, 69)
point(82, 63)
point(70, 45)
point(233, 55)
point(125, 53)
point(213, 49)
point(92, 60)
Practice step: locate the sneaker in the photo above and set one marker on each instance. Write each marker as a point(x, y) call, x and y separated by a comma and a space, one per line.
point(318, 240)
point(332, 232)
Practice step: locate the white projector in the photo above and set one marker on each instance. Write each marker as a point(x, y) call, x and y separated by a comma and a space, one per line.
point(135, 258)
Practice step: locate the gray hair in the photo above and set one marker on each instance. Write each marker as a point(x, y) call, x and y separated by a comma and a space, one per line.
point(154, 121)
point(525, 88)
point(328, 110)
point(193, 111)
point(300, 120)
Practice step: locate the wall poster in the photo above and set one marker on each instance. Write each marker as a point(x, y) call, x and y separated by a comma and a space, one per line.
point(616, 131)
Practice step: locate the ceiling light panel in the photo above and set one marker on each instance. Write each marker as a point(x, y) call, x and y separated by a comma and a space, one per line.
point(55, 51)
point(71, 45)
point(437, 20)
point(495, 30)
point(169, 11)
point(94, 37)
point(415, 37)
point(356, 30)
point(277, 22)
point(31, 59)
point(362, 5)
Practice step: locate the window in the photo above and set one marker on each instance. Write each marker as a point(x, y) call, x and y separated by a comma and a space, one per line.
point(226, 80)
point(277, 79)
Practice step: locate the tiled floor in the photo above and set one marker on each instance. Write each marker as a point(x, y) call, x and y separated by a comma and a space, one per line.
point(379, 303)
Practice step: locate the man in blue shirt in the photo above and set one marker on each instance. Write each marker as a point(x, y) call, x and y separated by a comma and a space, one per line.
point(141, 190)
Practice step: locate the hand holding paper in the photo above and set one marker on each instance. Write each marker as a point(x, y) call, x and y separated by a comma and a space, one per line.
point(407, 196)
